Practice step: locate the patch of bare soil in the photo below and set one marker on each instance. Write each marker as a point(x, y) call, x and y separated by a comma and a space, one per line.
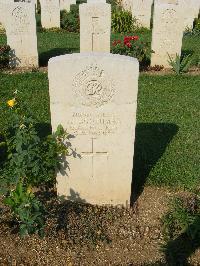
point(194, 71)
point(81, 234)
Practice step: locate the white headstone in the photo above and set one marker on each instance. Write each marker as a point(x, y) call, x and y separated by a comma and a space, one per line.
point(94, 97)
point(167, 32)
point(50, 13)
point(4, 11)
point(65, 4)
point(190, 12)
point(21, 34)
point(95, 27)
point(141, 11)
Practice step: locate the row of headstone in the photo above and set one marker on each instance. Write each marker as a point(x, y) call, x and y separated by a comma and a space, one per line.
point(170, 19)
point(142, 10)
point(95, 27)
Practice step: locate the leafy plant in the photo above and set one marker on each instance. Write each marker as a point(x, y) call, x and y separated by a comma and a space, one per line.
point(122, 21)
point(70, 20)
point(29, 161)
point(182, 218)
point(4, 56)
point(27, 211)
point(180, 64)
point(132, 46)
point(29, 156)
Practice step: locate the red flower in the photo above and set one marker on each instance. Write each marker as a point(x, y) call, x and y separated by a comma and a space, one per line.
point(128, 44)
point(136, 38)
point(115, 42)
point(127, 39)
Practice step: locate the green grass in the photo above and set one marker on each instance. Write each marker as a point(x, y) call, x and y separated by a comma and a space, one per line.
point(191, 46)
point(168, 148)
point(51, 44)
point(167, 134)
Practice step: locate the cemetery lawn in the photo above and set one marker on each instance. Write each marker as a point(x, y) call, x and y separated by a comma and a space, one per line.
point(166, 165)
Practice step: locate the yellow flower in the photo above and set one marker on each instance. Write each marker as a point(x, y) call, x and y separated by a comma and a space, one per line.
point(11, 102)
point(29, 189)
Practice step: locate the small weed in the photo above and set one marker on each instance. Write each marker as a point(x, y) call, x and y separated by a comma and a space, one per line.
point(180, 64)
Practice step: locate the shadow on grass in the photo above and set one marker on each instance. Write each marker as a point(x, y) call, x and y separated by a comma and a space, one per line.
point(45, 56)
point(151, 141)
point(178, 251)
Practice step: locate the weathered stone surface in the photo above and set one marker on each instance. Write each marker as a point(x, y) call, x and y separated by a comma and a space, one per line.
point(141, 11)
point(65, 4)
point(3, 11)
point(21, 34)
point(50, 13)
point(167, 32)
point(94, 96)
point(190, 12)
point(95, 27)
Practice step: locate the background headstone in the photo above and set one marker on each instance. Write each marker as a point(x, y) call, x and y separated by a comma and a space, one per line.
point(21, 34)
point(65, 4)
point(4, 11)
point(95, 27)
point(94, 97)
point(167, 32)
point(141, 11)
point(190, 12)
point(50, 13)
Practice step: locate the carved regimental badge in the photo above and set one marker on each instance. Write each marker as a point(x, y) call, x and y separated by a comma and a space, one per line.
point(92, 87)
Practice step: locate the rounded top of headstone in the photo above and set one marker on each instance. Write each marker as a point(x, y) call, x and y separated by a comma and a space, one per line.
point(93, 55)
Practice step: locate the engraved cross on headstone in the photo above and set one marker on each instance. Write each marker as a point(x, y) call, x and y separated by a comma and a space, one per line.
point(94, 30)
point(97, 156)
